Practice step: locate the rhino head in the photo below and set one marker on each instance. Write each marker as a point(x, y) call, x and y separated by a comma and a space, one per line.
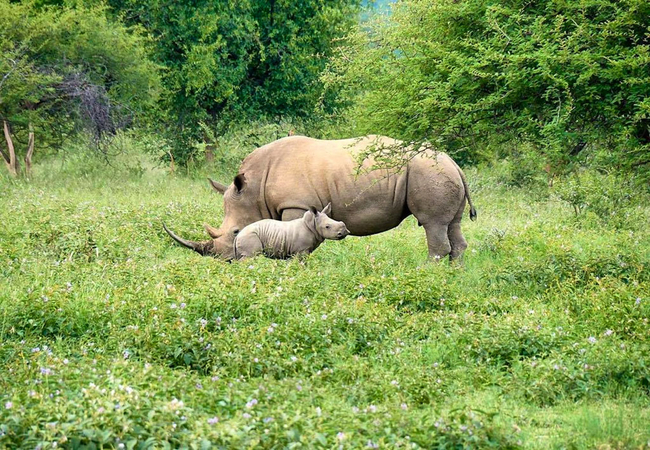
point(240, 208)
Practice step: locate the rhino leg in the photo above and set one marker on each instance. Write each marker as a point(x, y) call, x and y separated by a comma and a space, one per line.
point(292, 214)
point(434, 194)
point(437, 240)
point(456, 238)
point(248, 246)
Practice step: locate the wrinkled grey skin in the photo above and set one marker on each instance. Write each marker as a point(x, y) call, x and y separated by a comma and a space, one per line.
point(277, 239)
point(281, 180)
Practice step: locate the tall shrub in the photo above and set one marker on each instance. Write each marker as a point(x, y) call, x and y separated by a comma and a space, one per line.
point(477, 76)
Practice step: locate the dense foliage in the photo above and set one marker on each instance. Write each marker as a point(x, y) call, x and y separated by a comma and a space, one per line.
point(111, 334)
point(64, 68)
point(236, 61)
point(476, 77)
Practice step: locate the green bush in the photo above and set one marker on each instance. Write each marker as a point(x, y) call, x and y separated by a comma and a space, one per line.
point(69, 68)
point(474, 77)
point(235, 62)
point(609, 197)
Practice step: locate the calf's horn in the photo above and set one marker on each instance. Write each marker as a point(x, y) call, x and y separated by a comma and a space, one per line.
point(204, 247)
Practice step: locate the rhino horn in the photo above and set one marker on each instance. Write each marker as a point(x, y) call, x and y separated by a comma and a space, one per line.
point(220, 188)
point(204, 247)
point(212, 231)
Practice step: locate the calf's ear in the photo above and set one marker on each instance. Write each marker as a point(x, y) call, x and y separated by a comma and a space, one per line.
point(313, 210)
point(328, 209)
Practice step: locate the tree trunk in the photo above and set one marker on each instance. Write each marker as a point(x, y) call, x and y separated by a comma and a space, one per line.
point(172, 168)
point(209, 153)
point(30, 151)
point(11, 160)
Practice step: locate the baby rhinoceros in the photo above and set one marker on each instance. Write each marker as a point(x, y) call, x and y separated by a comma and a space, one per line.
point(277, 239)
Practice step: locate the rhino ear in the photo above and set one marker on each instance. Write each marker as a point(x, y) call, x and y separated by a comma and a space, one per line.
point(220, 188)
point(240, 182)
point(310, 217)
point(327, 210)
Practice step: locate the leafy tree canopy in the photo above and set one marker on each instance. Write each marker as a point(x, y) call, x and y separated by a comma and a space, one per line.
point(64, 67)
point(474, 75)
point(232, 61)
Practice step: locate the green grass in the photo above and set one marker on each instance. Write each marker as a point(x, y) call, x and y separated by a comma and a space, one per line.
point(111, 334)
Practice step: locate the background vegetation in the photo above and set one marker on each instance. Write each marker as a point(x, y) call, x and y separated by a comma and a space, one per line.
point(566, 81)
point(111, 336)
point(67, 69)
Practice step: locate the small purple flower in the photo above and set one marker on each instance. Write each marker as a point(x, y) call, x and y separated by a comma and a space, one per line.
point(340, 435)
point(608, 332)
point(199, 386)
point(268, 419)
point(252, 403)
point(246, 416)
point(404, 406)
point(213, 420)
point(592, 340)
point(9, 405)
point(183, 305)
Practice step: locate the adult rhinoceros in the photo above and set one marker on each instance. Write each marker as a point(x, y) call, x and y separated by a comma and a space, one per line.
point(283, 179)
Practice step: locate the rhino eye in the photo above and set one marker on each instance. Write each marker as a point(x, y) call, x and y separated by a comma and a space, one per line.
point(235, 231)
point(327, 226)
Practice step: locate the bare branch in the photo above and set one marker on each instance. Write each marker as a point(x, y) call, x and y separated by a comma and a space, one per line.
point(12, 165)
point(30, 151)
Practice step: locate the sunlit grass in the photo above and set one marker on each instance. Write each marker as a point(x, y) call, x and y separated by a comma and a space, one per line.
point(111, 334)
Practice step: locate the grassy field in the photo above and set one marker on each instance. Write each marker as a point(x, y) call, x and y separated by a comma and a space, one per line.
point(112, 336)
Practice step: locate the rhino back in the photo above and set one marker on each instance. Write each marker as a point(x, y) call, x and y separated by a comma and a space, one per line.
point(298, 172)
point(280, 239)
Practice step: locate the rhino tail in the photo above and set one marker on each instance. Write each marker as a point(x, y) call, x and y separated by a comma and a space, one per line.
point(472, 210)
